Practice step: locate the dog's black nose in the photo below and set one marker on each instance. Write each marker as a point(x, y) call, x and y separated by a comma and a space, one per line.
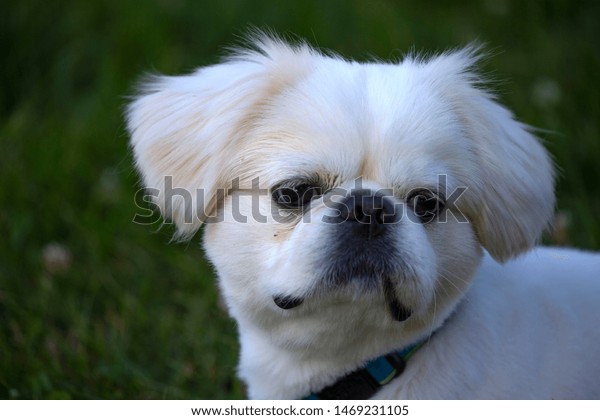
point(368, 212)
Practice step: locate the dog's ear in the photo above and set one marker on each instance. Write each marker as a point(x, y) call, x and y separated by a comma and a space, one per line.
point(185, 130)
point(511, 198)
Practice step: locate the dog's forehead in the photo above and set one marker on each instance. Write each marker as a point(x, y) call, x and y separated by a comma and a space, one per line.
point(377, 121)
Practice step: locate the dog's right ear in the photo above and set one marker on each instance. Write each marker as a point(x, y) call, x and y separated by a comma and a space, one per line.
point(510, 199)
point(185, 130)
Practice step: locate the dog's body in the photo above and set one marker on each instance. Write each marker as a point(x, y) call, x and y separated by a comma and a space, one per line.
point(525, 330)
point(351, 205)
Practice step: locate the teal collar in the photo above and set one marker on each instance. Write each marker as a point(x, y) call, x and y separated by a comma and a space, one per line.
point(363, 383)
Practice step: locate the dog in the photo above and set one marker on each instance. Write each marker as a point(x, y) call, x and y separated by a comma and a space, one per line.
point(373, 226)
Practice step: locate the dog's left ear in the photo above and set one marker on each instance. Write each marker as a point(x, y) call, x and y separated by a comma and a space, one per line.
point(511, 199)
point(185, 130)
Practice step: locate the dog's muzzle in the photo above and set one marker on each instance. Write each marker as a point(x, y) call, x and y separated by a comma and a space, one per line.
point(364, 254)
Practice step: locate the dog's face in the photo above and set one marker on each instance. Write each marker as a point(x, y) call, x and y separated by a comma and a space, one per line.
point(358, 209)
point(347, 204)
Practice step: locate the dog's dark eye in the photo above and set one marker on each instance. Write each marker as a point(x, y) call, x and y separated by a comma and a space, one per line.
point(425, 204)
point(296, 196)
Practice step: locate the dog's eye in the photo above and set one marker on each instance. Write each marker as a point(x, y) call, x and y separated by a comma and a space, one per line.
point(425, 204)
point(295, 196)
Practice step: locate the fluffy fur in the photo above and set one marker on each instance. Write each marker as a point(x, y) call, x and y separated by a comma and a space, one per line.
point(279, 113)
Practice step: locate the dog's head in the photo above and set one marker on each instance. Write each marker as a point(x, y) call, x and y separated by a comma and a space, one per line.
point(346, 204)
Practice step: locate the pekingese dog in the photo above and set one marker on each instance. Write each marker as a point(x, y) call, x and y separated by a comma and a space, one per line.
point(372, 226)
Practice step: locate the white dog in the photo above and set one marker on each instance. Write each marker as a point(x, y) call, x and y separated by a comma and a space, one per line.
point(361, 218)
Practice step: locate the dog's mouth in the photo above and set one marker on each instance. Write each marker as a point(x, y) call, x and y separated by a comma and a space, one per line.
point(365, 271)
point(396, 309)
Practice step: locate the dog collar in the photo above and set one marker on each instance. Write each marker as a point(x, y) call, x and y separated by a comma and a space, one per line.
point(363, 383)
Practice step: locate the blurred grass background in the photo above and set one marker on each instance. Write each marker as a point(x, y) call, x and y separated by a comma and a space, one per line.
point(95, 306)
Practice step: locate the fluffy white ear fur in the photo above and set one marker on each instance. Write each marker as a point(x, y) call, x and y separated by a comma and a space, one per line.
point(512, 198)
point(516, 201)
point(184, 129)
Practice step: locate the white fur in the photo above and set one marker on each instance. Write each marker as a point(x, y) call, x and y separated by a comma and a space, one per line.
point(522, 329)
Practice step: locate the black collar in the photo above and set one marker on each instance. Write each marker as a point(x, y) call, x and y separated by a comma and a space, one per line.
point(363, 383)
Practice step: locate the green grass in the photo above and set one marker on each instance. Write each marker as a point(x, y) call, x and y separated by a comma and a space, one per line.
point(134, 316)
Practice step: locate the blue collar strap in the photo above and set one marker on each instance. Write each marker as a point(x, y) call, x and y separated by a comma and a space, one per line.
point(363, 383)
